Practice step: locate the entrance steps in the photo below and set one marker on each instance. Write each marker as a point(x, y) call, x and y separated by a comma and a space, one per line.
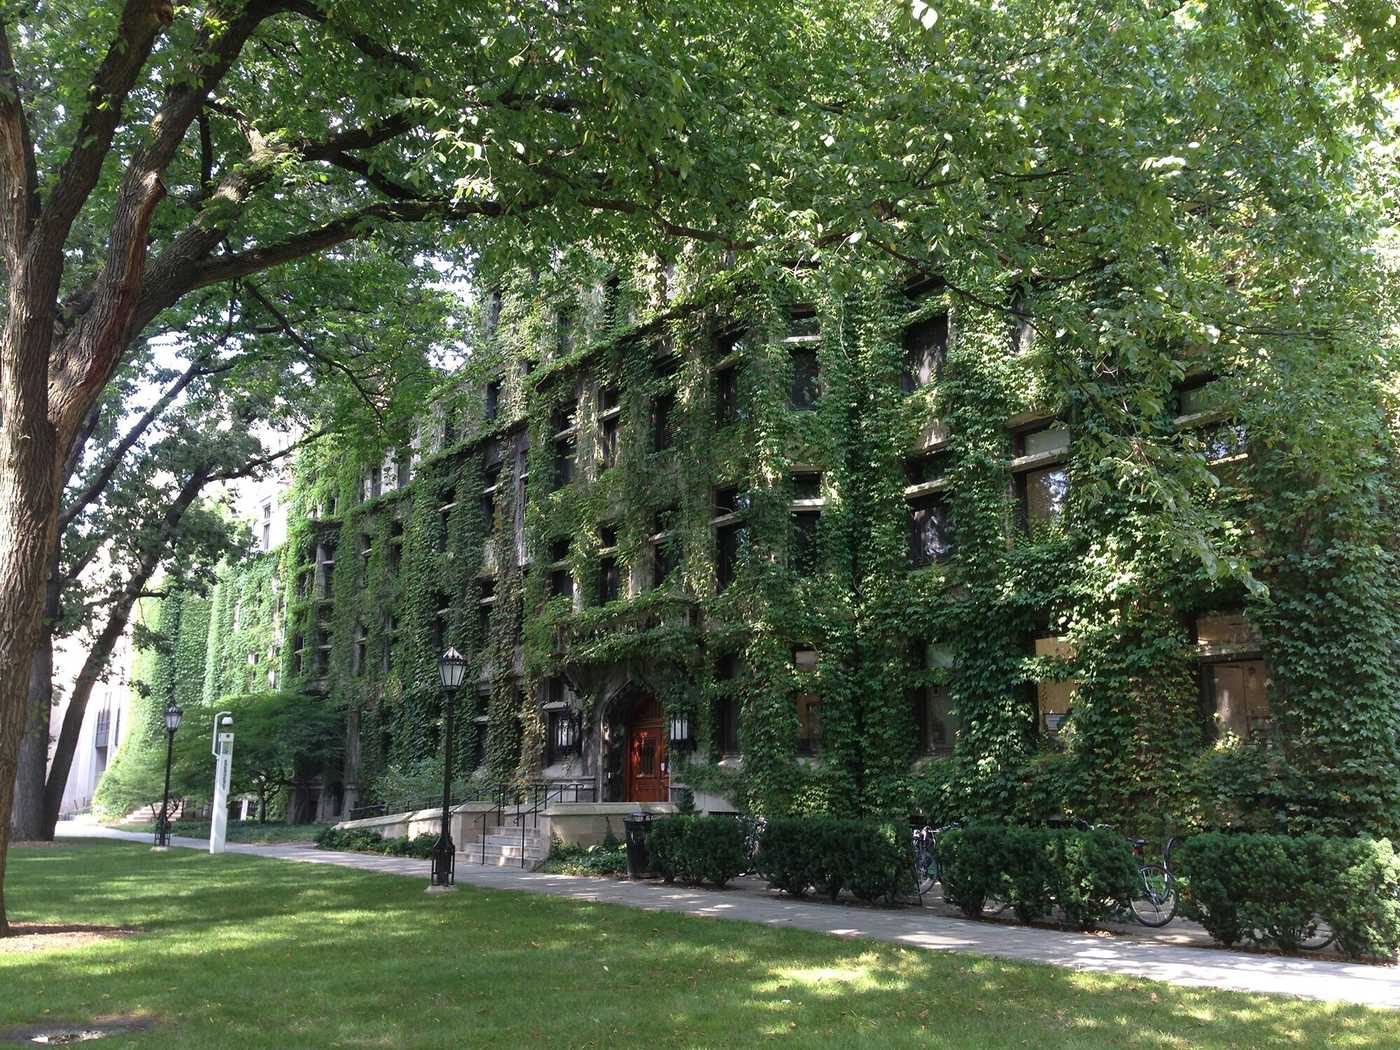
point(505, 846)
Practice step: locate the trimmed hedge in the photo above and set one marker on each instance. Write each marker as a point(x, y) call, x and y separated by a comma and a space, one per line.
point(1270, 889)
point(697, 848)
point(1089, 874)
point(361, 840)
point(823, 854)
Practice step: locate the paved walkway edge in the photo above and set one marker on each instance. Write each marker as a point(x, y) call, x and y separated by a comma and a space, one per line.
point(1343, 982)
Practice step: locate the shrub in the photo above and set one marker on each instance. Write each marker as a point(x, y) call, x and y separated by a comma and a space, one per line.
point(974, 866)
point(1268, 888)
point(796, 854)
point(362, 840)
point(697, 848)
point(1087, 873)
point(873, 861)
point(1095, 872)
point(606, 858)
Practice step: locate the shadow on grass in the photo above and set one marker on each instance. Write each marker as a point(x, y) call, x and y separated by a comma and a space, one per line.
point(243, 952)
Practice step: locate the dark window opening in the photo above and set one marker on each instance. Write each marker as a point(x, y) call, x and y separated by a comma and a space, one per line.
point(731, 542)
point(727, 395)
point(931, 466)
point(726, 725)
point(564, 450)
point(803, 322)
point(559, 548)
point(807, 485)
point(806, 380)
point(806, 547)
point(809, 725)
point(930, 532)
point(561, 584)
point(730, 500)
point(493, 399)
point(607, 442)
point(607, 535)
point(662, 408)
point(925, 351)
point(609, 580)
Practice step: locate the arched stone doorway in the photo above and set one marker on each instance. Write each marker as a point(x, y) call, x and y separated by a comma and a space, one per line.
point(635, 768)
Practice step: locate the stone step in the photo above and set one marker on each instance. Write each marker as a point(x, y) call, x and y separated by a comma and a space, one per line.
point(536, 845)
point(500, 858)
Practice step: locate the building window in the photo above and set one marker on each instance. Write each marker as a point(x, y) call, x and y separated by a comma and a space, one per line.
point(926, 468)
point(806, 547)
point(609, 580)
point(1053, 695)
point(930, 532)
point(809, 726)
point(935, 725)
point(395, 545)
point(727, 395)
point(374, 486)
point(725, 735)
point(662, 408)
point(607, 442)
point(925, 350)
point(493, 400)
point(663, 545)
point(267, 525)
point(806, 380)
point(731, 541)
point(1234, 676)
point(563, 445)
point(1043, 483)
point(807, 485)
point(391, 641)
point(491, 485)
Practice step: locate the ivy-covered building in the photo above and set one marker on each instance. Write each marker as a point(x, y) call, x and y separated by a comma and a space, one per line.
point(843, 541)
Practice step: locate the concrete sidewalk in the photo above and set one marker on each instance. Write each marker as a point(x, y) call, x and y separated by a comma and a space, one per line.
point(1345, 982)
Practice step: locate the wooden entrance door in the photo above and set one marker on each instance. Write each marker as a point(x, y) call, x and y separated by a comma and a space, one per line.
point(646, 755)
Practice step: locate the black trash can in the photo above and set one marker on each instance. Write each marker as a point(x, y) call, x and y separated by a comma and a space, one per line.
point(635, 827)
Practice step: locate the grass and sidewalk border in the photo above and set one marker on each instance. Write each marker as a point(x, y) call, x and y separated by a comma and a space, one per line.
point(1194, 967)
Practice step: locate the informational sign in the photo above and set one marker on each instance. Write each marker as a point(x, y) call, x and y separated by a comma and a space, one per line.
point(223, 774)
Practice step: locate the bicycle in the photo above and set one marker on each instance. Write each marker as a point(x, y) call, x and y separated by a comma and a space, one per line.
point(1154, 899)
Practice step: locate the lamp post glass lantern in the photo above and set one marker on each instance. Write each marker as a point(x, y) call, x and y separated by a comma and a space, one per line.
point(173, 714)
point(452, 669)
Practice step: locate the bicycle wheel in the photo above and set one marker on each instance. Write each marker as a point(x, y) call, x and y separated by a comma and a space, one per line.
point(1317, 936)
point(1154, 898)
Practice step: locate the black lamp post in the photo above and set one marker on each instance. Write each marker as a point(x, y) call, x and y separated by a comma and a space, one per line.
point(172, 723)
point(452, 668)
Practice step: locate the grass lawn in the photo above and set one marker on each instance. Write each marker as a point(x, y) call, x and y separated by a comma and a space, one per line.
point(238, 830)
point(239, 952)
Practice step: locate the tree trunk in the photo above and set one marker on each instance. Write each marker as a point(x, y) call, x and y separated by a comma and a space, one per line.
point(30, 461)
point(27, 820)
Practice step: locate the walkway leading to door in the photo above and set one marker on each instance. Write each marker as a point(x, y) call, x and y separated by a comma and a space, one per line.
point(1366, 985)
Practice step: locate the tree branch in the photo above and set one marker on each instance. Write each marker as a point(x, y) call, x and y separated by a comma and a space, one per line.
point(80, 502)
point(140, 23)
point(21, 180)
point(310, 351)
point(254, 465)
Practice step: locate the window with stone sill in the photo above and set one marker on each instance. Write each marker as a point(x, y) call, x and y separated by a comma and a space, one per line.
point(925, 350)
point(1053, 695)
point(805, 389)
point(930, 531)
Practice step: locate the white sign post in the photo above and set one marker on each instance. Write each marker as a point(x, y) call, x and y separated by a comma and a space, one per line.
point(223, 771)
